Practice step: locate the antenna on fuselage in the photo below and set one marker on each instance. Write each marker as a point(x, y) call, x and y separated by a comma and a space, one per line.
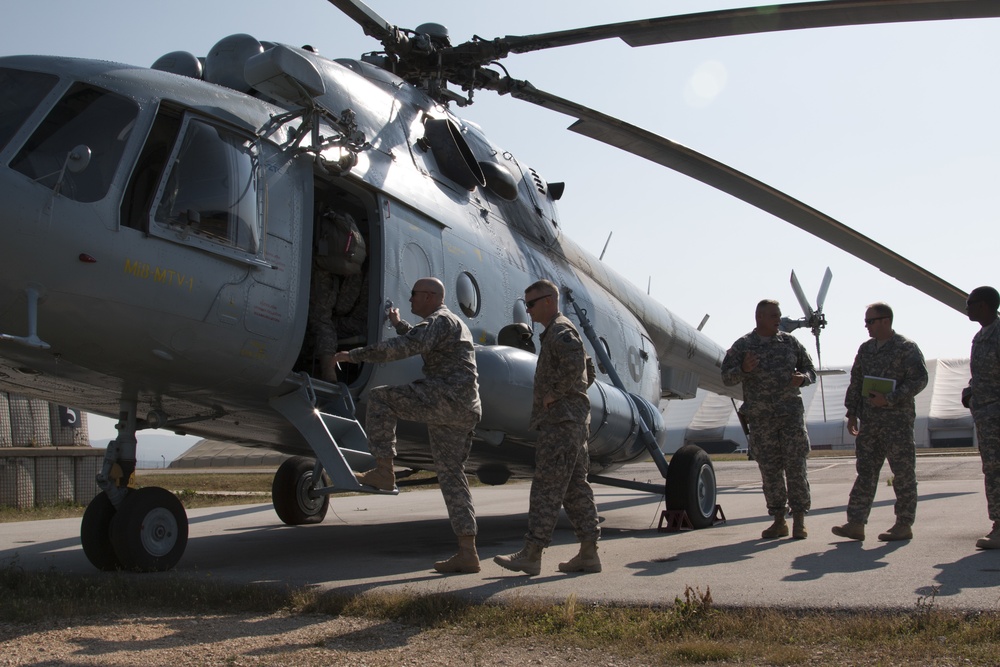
point(606, 245)
point(703, 321)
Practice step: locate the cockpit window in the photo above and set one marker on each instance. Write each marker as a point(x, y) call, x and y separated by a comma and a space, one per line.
point(209, 197)
point(86, 117)
point(22, 91)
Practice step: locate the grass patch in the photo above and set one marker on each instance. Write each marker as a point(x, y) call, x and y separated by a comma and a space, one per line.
point(688, 632)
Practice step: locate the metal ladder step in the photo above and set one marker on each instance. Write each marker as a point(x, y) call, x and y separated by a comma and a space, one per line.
point(339, 441)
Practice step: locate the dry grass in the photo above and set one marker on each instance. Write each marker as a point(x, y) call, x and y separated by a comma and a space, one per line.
point(690, 631)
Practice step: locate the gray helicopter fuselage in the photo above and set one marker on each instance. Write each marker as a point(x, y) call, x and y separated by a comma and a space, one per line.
point(175, 264)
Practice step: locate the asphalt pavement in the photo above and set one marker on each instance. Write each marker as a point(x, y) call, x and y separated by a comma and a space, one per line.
point(389, 543)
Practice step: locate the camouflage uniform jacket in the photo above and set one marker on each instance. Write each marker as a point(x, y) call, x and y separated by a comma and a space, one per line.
point(769, 388)
point(561, 373)
point(985, 366)
point(445, 344)
point(898, 359)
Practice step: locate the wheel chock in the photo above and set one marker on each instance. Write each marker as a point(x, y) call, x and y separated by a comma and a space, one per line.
point(676, 520)
point(718, 516)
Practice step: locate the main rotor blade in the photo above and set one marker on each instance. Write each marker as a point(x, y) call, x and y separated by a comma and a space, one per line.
point(801, 296)
point(662, 151)
point(369, 20)
point(750, 20)
point(824, 288)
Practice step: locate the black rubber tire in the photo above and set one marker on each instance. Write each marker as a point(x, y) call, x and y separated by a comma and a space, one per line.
point(150, 531)
point(691, 485)
point(95, 533)
point(290, 493)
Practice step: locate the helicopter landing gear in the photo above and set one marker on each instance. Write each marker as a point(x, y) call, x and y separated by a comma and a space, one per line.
point(149, 532)
point(293, 493)
point(691, 485)
point(124, 528)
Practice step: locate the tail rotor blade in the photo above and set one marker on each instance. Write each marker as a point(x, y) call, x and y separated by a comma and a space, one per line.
point(801, 296)
point(824, 288)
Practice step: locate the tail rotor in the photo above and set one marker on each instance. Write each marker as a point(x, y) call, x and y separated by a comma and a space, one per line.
point(814, 319)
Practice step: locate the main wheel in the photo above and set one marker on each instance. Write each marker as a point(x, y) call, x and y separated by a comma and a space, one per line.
point(691, 485)
point(150, 531)
point(290, 493)
point(95, 533)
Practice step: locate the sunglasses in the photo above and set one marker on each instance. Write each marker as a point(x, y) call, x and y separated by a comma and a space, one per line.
point(531, 304)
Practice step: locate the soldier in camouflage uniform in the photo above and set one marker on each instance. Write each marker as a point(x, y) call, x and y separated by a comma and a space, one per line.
point(772, 365)
point(983, 397)
point(560, 410)
point(886, 424)
point(446, 399)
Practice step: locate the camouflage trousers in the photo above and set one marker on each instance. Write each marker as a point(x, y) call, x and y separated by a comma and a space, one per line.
point(561, 466)
point(780, 445)
point(880, 440)
point(988, 432)
point(450, 434)
point(321, 303)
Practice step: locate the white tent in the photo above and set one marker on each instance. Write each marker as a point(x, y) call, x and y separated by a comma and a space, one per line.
point(710, 420)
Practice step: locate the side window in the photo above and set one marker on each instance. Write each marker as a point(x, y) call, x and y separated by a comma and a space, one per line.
point(209, 195)
point(85, 116)
point(149, 169)
point(22, 93)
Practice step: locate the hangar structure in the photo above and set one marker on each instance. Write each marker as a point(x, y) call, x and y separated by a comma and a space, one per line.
point(709, 420)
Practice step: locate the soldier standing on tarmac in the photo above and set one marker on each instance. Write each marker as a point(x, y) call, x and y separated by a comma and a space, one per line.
point(772, 365)
point(446, 399)
point(561, 411)
point(886, 413)
point(982, 396)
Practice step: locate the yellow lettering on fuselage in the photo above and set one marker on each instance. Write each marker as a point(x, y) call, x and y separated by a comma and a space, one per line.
point(144, 271)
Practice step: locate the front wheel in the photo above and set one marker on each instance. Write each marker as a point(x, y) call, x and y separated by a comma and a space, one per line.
point(691, 485)
point(150, 530)
point(291, 493)
point(95, 533)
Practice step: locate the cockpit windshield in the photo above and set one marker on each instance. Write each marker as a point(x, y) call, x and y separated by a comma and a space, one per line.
point(22, 91)
point(85, 116)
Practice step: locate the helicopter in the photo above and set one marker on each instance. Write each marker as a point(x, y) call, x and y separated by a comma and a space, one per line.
point(173, 209)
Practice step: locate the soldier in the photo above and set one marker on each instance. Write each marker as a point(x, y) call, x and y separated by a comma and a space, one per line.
point(888, 372)
point(982, 396)
point(560, 410)
point(446, 399)
point(772, 365)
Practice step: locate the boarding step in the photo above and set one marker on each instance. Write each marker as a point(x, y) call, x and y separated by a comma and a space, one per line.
point(336, 437)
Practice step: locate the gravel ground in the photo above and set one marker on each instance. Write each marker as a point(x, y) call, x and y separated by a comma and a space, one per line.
point(276, 639)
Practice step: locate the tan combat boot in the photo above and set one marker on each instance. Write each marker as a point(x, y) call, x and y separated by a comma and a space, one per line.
point(991, 541)
point(799, 531)
point(897, 532)
point(381, 476)
point(527, 560)
point(851, 530)
point(466, 560)
point(777, 529)
point(585, 561)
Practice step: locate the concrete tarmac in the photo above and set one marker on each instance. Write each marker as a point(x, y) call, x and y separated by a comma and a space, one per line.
point(388, 543)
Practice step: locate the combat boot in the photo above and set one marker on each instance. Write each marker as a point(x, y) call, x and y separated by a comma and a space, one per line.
point(527, 560)
point(898, 532)
point(991, 541)
point(777, 529)
point(465, 561)
point(799, 531)
point(381, 476)
point(851, 530)
point(585, 561)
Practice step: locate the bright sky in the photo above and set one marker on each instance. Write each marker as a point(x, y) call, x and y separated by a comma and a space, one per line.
point(892, 130)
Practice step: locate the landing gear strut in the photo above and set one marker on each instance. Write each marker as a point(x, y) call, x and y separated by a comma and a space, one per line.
point(144, 530)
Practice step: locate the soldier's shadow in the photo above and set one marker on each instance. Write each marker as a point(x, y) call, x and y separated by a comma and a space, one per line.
point(714, 555)
point(842, 557)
